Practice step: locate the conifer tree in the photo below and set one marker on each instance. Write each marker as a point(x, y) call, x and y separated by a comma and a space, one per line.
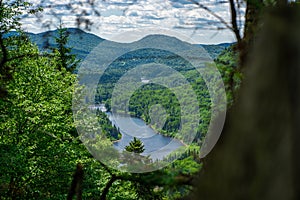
point(135, 146)
point(65, 58)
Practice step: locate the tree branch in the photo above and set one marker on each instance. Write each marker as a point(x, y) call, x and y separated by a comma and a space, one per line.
point(108, 185)
point(235, 28)
point(213, 14)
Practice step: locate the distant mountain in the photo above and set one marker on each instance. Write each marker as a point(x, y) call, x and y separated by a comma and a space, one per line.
point(215, 49)
point(83, 43)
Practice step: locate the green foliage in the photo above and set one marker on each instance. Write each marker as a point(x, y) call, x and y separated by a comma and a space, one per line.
point(39, 145)
point(65, 58)
point(10, 13)
point(151, 94)
point(227, 63)
point(135, 146)
point(215, 50)
point(108, 129)
point(36, 121)
point(39, 148)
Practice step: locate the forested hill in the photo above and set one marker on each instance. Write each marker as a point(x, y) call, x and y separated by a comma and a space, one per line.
point(214, 50)
point(82, 42)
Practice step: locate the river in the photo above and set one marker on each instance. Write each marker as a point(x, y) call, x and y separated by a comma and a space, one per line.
point(156, 145)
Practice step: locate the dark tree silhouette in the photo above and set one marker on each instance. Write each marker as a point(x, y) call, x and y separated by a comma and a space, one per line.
point(257, 157)
point(76, 185)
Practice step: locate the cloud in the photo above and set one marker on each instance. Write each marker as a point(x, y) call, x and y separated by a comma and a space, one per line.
point(119, 16)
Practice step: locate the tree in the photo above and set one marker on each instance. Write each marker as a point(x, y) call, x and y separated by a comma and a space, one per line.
point(135, 146)
point(257, 157)
point(10, 14)
point(244, 35)
point(36, 119)
point(65, 58)
point(36, 122)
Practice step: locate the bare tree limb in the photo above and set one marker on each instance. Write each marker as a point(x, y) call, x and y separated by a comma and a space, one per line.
point(213, 14)
point(235, 28)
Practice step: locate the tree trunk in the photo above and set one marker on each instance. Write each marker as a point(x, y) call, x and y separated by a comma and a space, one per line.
point(76, 185)
point(258, 154)
point(254, 10)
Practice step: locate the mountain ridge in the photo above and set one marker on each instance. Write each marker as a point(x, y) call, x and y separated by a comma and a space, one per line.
point(82, 43)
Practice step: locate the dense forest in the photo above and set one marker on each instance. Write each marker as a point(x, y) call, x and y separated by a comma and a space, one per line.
point(41, 154)
point(151, 94)
point(43, 157)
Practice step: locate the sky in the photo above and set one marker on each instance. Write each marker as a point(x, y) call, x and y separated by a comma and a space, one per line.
point(130, 20)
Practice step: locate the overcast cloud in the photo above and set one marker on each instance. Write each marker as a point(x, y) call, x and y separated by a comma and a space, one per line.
point(113, 18)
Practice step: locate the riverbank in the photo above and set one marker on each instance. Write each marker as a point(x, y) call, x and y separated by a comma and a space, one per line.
point(156, 142)
point(157, 131)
